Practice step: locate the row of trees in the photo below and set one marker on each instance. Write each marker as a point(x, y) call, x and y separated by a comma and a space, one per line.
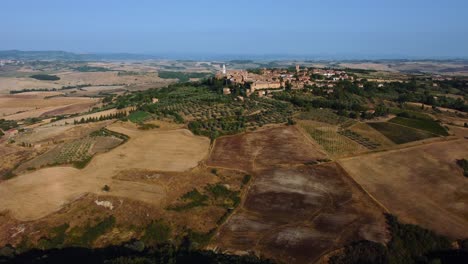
point(118, 115)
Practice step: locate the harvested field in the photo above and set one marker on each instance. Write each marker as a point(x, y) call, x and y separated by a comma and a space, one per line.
point(38, 193)
point(8, 84)
point(132, 215)
point(295, 215)
point(107, 78)
point(37, 104)
point(421, 185)
point(461, 132)
point(11, 157)
point(256, 150)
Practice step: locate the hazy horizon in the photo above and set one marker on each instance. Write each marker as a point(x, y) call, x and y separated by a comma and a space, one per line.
point(364, 29)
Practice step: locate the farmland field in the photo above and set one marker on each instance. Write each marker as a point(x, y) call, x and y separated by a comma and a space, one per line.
point(78, 153)
point(422, 185)
point(400, 134)
point(298, 214)
point(254, 150)
point(367, 131)
point(132, 216)
point(40, 104)
point(328, 137)
point(120, 153)
point(426, 125)
point(40, 192)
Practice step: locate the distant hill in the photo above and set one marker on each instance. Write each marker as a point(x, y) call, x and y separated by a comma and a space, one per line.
point(70, 56)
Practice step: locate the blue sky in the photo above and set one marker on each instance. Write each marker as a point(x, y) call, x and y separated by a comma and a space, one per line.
point(413, 28)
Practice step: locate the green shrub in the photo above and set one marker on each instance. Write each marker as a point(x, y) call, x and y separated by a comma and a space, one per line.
point(193, 198)
point(138, 116)
point(147, 126)
point(7, 125)
point(199, 240)
point(229, 199)
point(157, 232)
point(80, 164)
point(45, 77)
point(56, 237)
point(87, 235)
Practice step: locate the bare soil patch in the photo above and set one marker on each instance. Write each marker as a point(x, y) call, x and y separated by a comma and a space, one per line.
point(256, 150)
point(297, 214)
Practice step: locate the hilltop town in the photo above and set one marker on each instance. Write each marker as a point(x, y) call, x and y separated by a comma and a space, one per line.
point(266, 81)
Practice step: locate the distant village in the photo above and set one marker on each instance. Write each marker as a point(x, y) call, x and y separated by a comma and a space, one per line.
point(10, 62)
point(266, 81)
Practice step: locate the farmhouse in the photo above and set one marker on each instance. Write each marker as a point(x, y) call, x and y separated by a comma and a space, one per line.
point(226, 90)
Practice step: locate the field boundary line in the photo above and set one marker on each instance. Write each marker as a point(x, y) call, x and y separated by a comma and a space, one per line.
point(414, 144)
point(377, 202)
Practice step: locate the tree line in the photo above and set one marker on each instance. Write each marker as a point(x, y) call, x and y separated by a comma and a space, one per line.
point(118, 115)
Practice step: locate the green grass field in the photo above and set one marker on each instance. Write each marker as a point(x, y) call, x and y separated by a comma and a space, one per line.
point(422, 124)
point(400, 134)
point(410, 114)
point(138, 116)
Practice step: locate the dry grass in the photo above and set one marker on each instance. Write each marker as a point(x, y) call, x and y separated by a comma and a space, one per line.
point(375, 136)
point(327, 136)
point(421, 185)
point(38, 193)
point(36, 104)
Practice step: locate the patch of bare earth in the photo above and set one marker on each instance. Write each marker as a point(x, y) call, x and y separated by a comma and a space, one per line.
point(257, 150)
point(293, 213)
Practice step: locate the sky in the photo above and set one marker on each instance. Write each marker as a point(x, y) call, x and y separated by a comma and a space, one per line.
point(366, 28)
